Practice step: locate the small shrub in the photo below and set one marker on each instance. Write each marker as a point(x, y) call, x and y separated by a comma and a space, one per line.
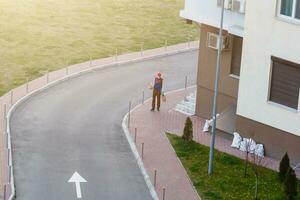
point(188, 130)
point(284, 167)
point(290, 185)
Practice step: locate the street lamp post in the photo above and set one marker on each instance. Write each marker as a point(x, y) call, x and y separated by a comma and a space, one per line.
point(214, 110)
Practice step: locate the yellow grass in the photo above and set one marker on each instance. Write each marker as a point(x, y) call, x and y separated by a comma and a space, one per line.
point(41, 35)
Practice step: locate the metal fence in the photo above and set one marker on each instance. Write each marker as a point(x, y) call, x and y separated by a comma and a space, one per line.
point(171, 121)
point(10, 100)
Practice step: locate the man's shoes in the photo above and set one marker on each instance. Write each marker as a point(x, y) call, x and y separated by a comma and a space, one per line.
point(152, 109)
point(157, 109)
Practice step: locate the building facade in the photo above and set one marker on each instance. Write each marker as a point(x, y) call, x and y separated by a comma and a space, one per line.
point(260, 71)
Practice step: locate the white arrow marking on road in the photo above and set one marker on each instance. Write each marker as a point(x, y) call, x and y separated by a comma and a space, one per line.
point(77, 179)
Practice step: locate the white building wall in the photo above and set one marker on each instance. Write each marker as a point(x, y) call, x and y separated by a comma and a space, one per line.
point(264, 36)
point(207, 12)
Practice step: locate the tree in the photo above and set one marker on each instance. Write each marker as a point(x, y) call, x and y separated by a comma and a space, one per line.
point(188, 130)
point(256, 165)
point(290, 184)
point(284, 167)
point(247, 151)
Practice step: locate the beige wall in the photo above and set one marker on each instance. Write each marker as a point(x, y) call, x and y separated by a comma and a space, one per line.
point(228, 88)
point(276, 142)
point(266, 35)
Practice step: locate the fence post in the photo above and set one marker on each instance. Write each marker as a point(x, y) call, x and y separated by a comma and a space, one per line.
point(4, 111)
point(143, 97)
point(186, 82)
point(47, 77)
point(4, 195)
point(116, 55)
point(142, 49)
point(4, 117)
point(166, 45)
point(129, 110)
point(8, 157)
point(154, 180)
point(9, 174)
point(90, 61)
point(143, 145)
point(164, 193)
point(11, 97)
point(185, 88)
point(135, 134)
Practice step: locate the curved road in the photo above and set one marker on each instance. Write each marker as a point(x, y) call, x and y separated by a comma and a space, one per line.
point(76, 126)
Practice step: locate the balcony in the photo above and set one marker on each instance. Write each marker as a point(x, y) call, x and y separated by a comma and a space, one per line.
point(208, 12)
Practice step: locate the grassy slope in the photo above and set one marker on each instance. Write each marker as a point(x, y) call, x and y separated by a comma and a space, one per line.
point(41, 35)
point(227, 181)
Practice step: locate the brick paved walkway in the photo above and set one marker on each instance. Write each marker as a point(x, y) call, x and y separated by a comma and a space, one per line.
point(160, 156)
point(158, 153)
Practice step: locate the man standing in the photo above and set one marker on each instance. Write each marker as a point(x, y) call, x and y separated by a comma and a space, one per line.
point(157, 88)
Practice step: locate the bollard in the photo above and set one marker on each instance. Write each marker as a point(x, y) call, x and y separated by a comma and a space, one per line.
point(164, 193)
point(186, 82)
point(11, 97)
point(116, 55)
point(143, 145)
point(154, 180)
point(142, 49)
point(166, 45)
point(129, 110)
point(143, 97)
point(8, 158)
point(90, 61)
point(185, 86)
point(4, 112)
point(4, 194)
point(9, 174)
point(47, 77)
point(135, 134)
point(4, 116)
point(27, 85)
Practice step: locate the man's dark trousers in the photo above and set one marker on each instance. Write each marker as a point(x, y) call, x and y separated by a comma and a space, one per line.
point(156, 95)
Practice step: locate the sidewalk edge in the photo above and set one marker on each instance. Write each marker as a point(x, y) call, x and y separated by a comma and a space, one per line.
point(138, 159)
point(135, 151)
point(179, 161)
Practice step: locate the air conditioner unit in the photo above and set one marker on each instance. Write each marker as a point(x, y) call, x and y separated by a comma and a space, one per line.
point(227, 4)
point(213, 41)
point(238, 6)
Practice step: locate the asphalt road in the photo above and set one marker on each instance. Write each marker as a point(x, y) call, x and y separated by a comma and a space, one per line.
point(76, 126)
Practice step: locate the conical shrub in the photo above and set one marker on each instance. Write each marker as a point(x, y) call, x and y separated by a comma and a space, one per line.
point(284, 167)
point(290, 185)
point(188, 130)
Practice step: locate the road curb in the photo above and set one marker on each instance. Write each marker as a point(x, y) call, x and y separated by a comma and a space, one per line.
point(139, 159)
point(179, 161)
point(63, 79)
point(134, 148)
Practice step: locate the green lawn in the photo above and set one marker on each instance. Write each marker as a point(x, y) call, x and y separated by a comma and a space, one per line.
point(228, 181)
point(41, 35)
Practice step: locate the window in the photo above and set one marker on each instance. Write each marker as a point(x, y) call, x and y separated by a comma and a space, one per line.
point(285, 83)
point(289, 9)
point(236, 57)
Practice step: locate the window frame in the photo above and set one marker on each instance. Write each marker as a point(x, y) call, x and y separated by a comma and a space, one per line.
point(292, 18)
point(269, 101)
point(231, 73)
